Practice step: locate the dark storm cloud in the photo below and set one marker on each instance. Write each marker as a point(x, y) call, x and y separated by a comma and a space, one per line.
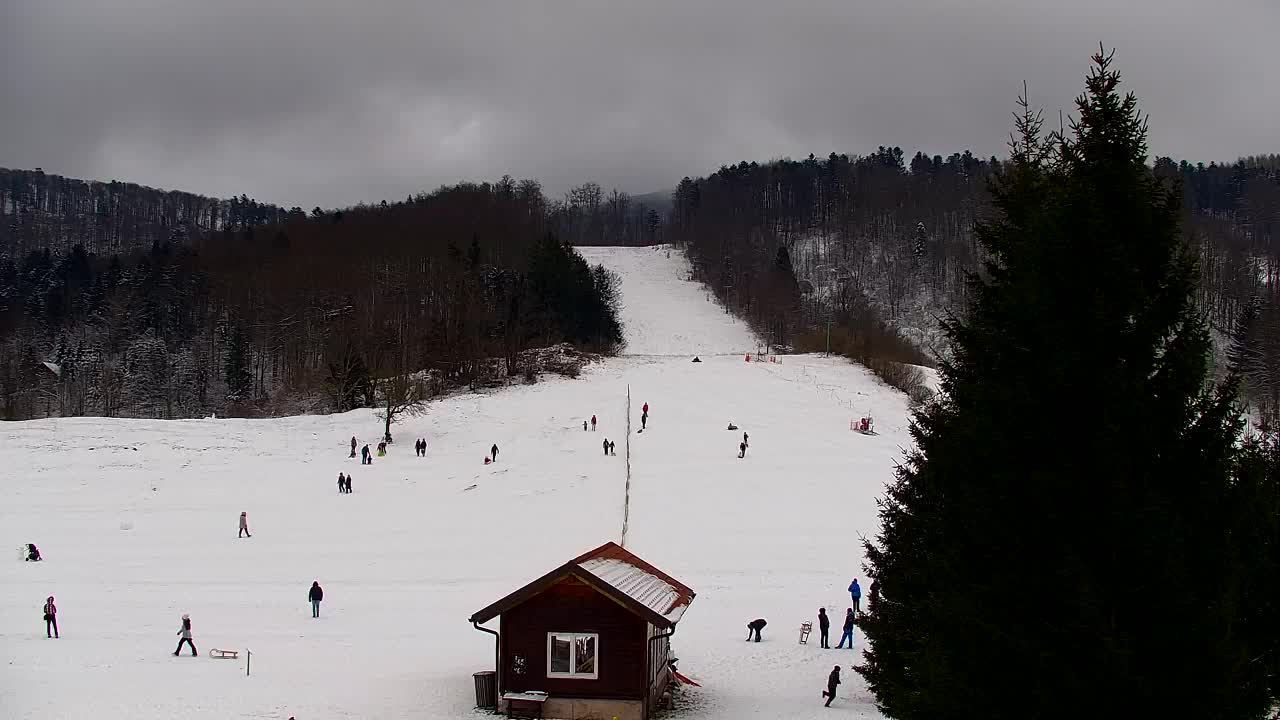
point(313, 102)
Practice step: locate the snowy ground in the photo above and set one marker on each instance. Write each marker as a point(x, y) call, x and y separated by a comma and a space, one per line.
point(137, 520)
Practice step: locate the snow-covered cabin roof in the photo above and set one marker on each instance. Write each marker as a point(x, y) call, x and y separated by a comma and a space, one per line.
point(618, 573)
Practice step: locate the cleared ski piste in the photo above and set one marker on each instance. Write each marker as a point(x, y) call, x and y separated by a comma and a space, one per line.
point(137, 521)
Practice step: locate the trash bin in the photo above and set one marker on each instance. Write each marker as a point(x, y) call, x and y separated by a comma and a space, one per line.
point(486, 689)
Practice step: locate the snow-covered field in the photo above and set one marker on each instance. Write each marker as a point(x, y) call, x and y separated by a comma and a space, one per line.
point(138, 519)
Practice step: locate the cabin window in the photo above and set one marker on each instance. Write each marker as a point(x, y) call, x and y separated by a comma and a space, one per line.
point(572, 655)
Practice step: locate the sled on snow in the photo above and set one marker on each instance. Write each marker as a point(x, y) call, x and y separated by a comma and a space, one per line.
point(224, 654)
point(864, 425)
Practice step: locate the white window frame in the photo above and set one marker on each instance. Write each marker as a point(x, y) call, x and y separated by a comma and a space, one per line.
point(573, 660)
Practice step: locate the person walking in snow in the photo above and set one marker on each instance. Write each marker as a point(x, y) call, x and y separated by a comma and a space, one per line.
point(348, 484)
point(353, 446)
point(742, 450)
point(185, 632)
point(584, 426)
point(848, 630)
point(342, 483)
point(832, 681)
point(50, 618)
point(824, 627)
point(855, 592)
point(593, 423)
point(755, 626)
point(493, 452)
point(745, 441)
point(315, 595)
point(644, 419)
point(244, 525)
point(605, 445)
point(613, 447)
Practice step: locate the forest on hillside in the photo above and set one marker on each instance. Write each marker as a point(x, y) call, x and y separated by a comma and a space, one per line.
point(877, 248)
point(294, 312)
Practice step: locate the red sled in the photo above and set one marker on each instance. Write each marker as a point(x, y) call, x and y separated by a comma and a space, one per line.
point(684, 679)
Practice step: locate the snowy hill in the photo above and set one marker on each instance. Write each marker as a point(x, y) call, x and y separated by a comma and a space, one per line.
point(137, 521)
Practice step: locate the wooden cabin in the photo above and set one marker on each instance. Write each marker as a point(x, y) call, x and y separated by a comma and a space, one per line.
point(589, 639)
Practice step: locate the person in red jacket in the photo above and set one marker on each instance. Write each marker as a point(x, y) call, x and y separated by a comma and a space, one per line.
point(593, 423)
point(50, 618)
point(645, 409)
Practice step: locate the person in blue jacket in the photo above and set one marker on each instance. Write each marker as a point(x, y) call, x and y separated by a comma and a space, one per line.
point(848, 630)
point(855, 592)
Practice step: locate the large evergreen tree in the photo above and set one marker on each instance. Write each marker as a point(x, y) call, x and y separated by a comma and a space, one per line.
point(1058, 544)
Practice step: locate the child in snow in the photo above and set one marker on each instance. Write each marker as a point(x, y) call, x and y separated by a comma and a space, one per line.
point(848, 630)
point(494, 452)
point(855, 592)
point(824, 626)
point(755, 626)
point(185, 632)
point(584, 426)
point(832, 681)
point(244, 525)
point(33, 553)
point(315, 595)
point(50, 618)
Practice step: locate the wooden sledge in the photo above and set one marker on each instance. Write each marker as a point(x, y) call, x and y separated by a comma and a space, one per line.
point(224, 654)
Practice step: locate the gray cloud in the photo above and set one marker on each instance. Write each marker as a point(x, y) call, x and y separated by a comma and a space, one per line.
point(329, 103)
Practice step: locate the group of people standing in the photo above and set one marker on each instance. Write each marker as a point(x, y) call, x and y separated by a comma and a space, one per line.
point(344, 483)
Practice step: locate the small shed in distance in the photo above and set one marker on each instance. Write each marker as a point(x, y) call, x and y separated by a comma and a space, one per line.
point(593, 634)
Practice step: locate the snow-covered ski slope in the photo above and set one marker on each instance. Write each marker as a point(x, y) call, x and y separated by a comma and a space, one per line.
point(664, 313)
point(138, 519)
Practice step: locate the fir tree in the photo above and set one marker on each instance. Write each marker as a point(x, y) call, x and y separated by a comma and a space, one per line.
point(1058, 543)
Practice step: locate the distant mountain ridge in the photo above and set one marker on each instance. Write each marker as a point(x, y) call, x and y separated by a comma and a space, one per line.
point(42, 211)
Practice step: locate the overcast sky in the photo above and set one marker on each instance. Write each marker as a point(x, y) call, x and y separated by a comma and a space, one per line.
point(313, 102)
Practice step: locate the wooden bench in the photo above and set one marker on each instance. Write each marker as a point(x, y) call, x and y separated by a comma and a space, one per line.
point(528, 704)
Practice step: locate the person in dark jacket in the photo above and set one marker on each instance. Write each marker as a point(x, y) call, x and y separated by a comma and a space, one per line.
point(33, 553)
point(855, 592)
point(348, 484)
point(742, 450)
point(848, 630)
point(605, 445)
point(593, 422)
point(315, 595)
point(644, 419)
point(873, 597)
point(613, 446)
point(832, 681)
point(755, 626)
point(353, 446)
point(824, 627)
point(185, 632)
point(365, 458)
point(745, 442)
point(342, 483)
point(50, 618)
point(493, 452)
